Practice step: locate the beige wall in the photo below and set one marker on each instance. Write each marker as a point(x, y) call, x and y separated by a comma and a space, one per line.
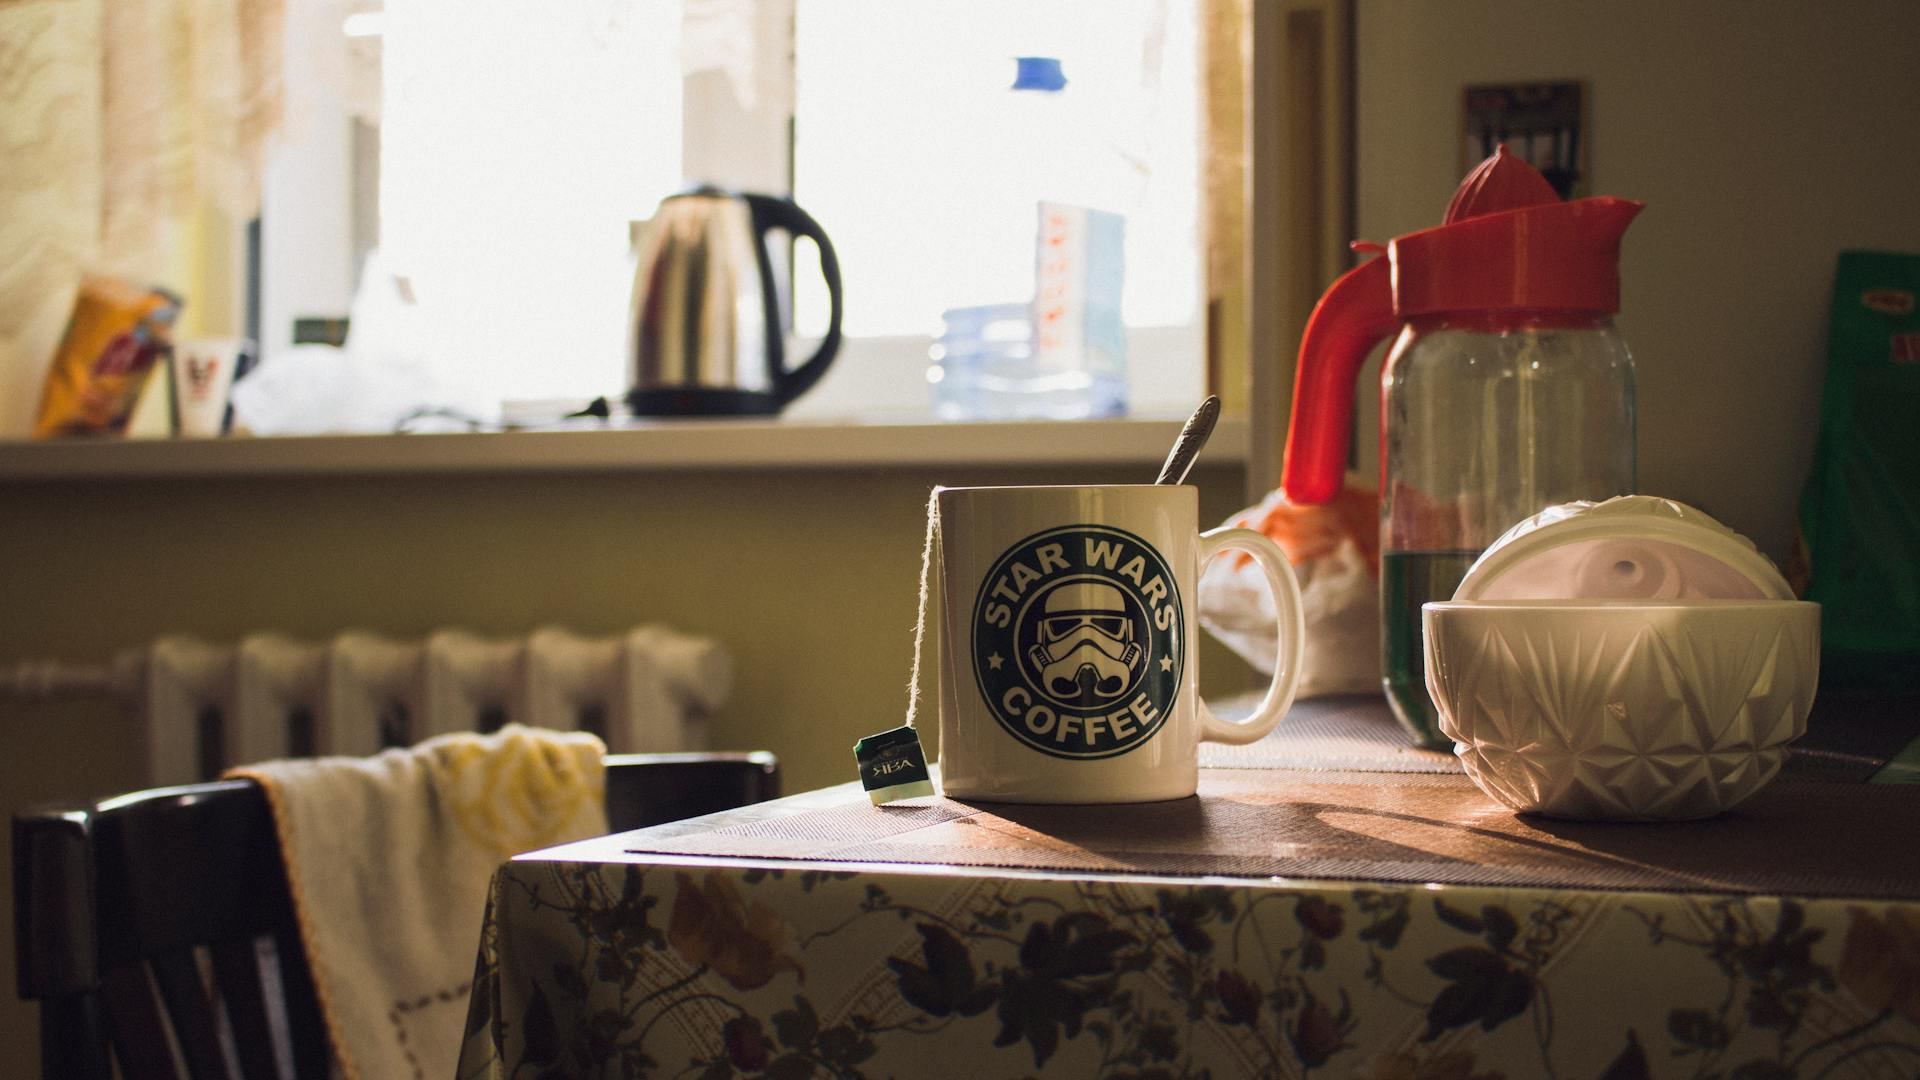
point(809, 578)
point(1765, 137)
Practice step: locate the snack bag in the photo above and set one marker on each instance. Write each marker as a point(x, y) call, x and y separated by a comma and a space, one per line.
point(1335, 552)
point(116, 335)
point(1859, 552)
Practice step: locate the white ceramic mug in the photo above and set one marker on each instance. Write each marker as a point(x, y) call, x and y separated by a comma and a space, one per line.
point(1068, 659)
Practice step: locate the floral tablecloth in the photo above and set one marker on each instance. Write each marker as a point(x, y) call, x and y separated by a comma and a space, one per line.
point(595, 961)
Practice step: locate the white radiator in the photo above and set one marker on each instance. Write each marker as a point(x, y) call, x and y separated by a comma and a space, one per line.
point(203, 707)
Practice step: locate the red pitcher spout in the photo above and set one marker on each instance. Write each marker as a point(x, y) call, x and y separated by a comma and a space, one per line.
point(1597, 224)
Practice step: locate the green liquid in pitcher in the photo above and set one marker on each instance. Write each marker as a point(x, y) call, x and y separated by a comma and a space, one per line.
point(1407, 580)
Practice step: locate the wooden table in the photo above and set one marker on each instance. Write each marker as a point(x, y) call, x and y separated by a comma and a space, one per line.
point(1334, 903)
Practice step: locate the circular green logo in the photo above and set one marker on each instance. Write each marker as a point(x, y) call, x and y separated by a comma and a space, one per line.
point(1079, 641)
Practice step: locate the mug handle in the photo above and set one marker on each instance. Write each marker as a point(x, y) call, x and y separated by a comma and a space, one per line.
point(1290, 647)
point(772, 212)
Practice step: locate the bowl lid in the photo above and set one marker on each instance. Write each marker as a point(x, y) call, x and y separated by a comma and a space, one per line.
point(1633, 547)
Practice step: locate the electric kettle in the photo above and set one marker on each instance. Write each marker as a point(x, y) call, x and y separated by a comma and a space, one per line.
point(706, 329)
point(1507, 390)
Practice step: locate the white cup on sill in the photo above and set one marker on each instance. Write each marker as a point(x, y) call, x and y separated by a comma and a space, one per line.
point(203, 370)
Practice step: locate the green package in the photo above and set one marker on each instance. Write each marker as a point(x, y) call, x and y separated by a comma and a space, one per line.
point(1860, 513)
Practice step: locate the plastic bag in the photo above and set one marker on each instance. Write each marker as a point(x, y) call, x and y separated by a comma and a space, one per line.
point(1860, 512)
point(382, 374)
point(1335, 552)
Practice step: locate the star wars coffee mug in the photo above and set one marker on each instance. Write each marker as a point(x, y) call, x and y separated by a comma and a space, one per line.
point(1068, 652)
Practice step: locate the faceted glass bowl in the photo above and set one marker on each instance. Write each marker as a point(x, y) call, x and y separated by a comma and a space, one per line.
point(1625, 709)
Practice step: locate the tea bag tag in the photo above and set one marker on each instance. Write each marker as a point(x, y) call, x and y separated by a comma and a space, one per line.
point(893, 766)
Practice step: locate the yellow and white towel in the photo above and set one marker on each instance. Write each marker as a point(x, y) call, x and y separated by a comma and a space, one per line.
point(389, 858)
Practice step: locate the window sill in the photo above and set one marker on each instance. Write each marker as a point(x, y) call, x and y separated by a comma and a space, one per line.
point(660, 446)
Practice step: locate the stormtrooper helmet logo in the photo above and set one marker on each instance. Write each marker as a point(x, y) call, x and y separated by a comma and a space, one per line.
point(1086, 653)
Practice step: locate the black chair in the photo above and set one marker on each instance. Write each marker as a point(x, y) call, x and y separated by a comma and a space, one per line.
point(112, 900)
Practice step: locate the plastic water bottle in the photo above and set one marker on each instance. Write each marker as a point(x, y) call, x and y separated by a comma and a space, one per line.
point(1061, 356)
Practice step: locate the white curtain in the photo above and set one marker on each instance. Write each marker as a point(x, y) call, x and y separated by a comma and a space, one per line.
point(133, 133)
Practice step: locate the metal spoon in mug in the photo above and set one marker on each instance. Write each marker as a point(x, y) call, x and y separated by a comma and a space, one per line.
point(1192, 438)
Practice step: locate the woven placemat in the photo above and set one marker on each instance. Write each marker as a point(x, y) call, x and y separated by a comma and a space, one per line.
point(1351, 732)
point(1794, 838)
point(1848, 739)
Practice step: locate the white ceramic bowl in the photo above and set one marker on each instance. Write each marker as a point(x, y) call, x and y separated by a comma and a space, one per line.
point(1623, 709)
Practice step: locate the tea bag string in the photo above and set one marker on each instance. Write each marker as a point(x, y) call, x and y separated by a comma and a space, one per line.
point(920, 617)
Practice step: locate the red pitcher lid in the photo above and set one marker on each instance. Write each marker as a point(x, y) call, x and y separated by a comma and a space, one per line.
point(1510, 246)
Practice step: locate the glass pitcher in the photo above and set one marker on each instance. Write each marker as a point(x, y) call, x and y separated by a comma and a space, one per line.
point(1482, 427)
point(1507, 390)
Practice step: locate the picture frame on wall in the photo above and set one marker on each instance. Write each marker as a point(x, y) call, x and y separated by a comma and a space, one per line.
point(1544, 124)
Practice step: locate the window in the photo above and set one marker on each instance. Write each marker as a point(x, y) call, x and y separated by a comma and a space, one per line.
point(925, 168)
point(518, 139)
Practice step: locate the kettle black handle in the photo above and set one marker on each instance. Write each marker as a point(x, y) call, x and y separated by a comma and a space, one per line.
point(769, 213)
